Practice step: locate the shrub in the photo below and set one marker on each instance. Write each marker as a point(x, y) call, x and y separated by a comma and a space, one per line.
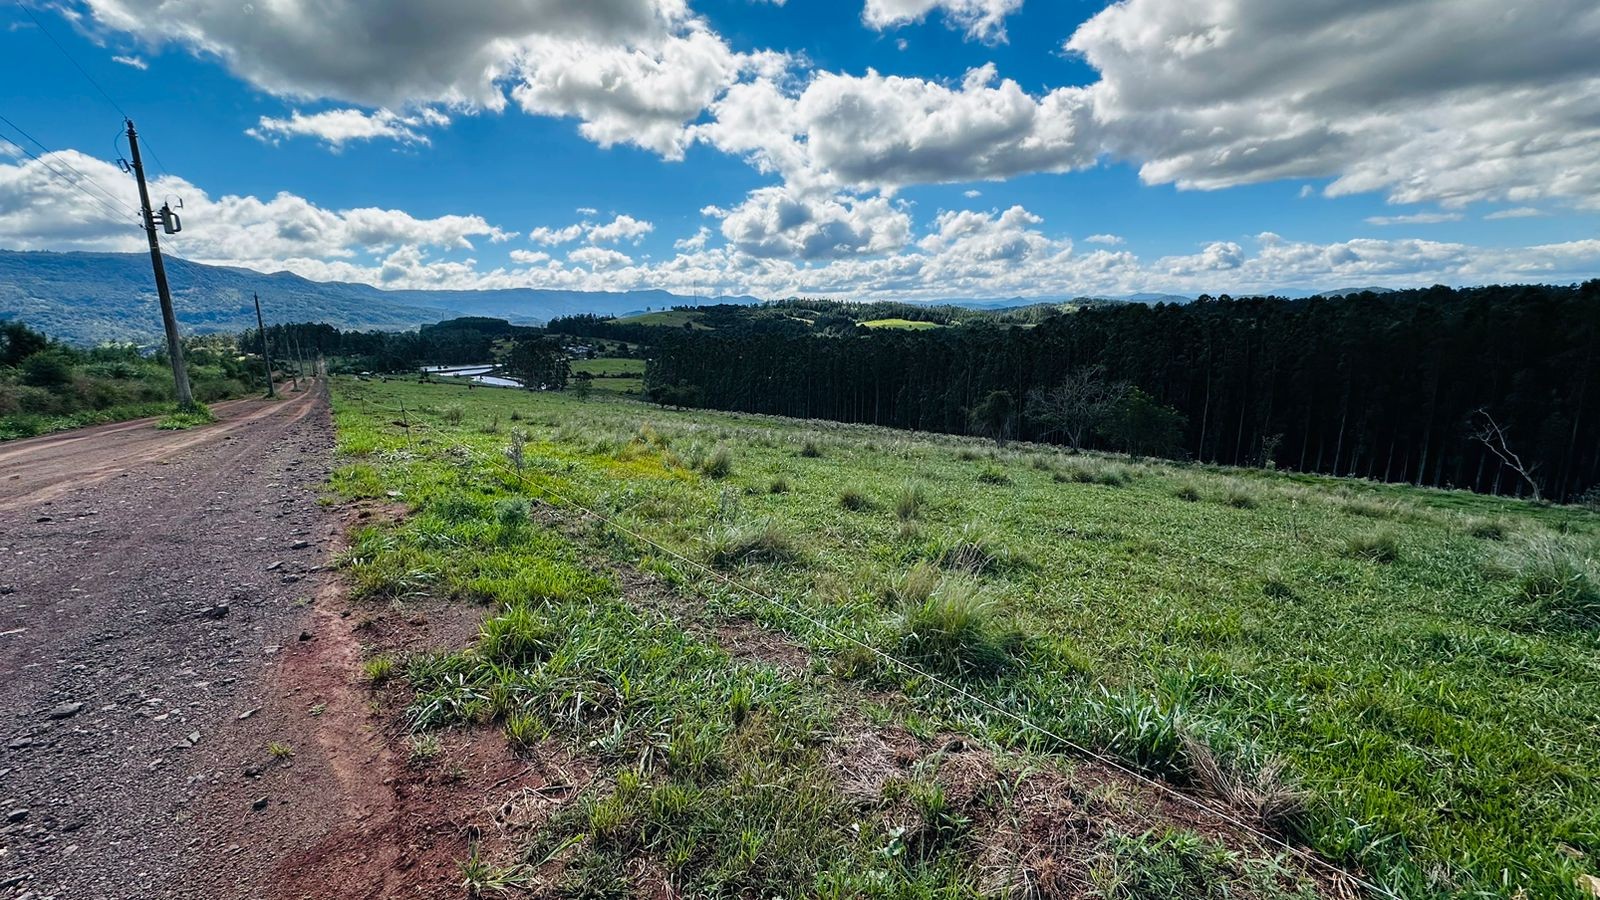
point(953, 630)
point(854, 499)
point(908, 505)
point(759, 542)
point(1380, 546)
point(52, 368)
point(719, 464)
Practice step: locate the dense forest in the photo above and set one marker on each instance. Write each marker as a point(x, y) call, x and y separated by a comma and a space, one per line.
point(1439, 387)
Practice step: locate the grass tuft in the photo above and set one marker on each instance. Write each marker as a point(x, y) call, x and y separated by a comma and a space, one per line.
point(910, 501)
point(953, 630)
point(379, 669)
point(1381, 546)
point(759, 542)
point(719, 464)
point(854, 499)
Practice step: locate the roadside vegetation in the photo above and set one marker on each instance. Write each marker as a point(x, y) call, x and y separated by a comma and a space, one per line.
point(46, 386)
point(1405, 681)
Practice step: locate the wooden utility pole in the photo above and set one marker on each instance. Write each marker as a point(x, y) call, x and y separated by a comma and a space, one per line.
point(265, 359)
point(169, 319)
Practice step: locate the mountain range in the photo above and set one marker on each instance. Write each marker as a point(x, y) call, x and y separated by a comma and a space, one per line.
point(89, 298)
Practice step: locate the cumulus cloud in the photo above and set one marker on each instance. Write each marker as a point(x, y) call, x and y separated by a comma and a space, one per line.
point(599, 258)
point(1442, 101)
point(337, 127)
point(1109, 240)
point(778, 222)
point(884, 132)
point(382, 54)
point(620, 228)
point(981, 19)
point(40, 210)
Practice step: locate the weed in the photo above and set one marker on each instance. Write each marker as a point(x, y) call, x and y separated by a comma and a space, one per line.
point(378, 669)
point(1239, 496)
point(1188, 492)
point(909, 502)
point(516, 451)
point(993, 475)
point(719, 464)
point(761, 542)
point(451, 414)
point(184, 419)
point(280, 751)
point(973, 549)
point(424, 749)
point(1558, 584)
point(779, 485)
point(953, 630)
point(512, 512)
point(517, 637)
point(913, 587)
point(1488, 529)
point(854, 499)
point(1381, 546)
point(811, 450)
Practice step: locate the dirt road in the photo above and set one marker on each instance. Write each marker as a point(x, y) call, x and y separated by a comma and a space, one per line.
point(151, 586)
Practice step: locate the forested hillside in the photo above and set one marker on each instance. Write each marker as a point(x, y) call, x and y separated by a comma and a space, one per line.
point(1395, 387)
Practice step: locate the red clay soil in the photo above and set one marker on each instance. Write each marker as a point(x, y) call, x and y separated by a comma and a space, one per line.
point(165, 615)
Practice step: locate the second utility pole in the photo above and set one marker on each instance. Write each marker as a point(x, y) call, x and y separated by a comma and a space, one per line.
point(169, 319)
point(265, 359)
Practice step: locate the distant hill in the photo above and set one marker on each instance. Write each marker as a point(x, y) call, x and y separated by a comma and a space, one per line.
point(87, 298)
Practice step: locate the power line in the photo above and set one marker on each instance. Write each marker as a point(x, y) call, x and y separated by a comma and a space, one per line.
point(81, 70)
point(1110, 762)
point(111, 207)
point(116, 201)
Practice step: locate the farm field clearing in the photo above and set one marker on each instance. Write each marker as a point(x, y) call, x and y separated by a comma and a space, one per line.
point(1414, 671)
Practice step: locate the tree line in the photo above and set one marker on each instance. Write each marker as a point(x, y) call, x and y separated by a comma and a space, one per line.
point(1398, 387)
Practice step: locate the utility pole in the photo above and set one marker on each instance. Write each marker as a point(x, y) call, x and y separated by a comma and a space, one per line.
point(169, 319)
point(265, 359)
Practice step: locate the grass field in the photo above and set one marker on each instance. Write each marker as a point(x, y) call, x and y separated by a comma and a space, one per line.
point(610, 367)
point(672, 318)
point(906, 324)
point(1415, 673)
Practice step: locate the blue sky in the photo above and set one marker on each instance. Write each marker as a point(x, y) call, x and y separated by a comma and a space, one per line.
point(913, 149)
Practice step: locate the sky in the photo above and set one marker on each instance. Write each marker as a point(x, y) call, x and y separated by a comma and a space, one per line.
point(859, 149)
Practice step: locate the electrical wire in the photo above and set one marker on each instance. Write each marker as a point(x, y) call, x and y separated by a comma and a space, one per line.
point(117, 208)
point(81, 70)
point(1161, 787)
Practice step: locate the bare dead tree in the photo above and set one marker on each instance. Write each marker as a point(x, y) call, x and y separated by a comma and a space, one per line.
point(1076, 405)
point(1489, 433)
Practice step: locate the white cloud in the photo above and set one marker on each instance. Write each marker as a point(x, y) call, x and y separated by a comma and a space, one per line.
point(553, 236)
point(622, 228)
point(337, 127)
point(980, 19)
point(588, 211)
point(388, 54)
point(695, 242)
point(529, 257)
point(1519, 212)
point(1109, 240)
point(1441, 101)
point(599, 258)
point(777, 222)
point(1424, 218)
point(972, 194)
point(883, 132)
point(132, 62)
point(641, 94)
